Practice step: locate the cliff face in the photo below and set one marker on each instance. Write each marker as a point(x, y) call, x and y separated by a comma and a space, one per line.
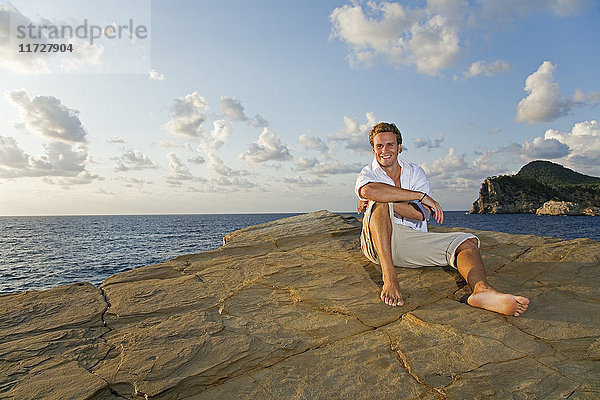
point(537, 183)
point(290, 310)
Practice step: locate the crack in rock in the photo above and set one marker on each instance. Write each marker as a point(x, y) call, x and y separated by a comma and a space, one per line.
point(401, 357)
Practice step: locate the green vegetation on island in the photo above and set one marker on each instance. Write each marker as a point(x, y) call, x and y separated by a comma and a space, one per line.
point(541, 187)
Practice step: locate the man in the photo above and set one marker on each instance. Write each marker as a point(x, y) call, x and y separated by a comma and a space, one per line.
point(395, 197)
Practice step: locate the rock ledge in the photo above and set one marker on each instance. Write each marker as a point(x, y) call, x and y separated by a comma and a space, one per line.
point(290, 309)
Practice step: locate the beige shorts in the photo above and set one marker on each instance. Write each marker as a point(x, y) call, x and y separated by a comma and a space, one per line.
point(412, 248)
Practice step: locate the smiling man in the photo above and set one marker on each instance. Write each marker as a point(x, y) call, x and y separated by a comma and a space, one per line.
point(395, 197)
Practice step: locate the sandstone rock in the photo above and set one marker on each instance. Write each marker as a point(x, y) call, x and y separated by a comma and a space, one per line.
point(290, 309)
point(554, 207)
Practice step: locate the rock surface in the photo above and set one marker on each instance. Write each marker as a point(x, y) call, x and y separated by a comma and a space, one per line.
point(554, 207)
point(290, 309)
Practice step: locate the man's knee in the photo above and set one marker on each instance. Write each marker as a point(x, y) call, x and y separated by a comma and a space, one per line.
point(469, 244)
point(380, 207)
point(380, 216)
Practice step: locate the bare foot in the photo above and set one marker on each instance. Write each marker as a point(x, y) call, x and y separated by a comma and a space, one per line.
point(503, 303)
point(390, 293)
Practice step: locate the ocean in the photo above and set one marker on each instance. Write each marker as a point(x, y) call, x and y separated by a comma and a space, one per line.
point(44, 252)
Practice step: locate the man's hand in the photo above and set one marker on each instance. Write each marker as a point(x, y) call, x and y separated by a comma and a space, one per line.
point(361, 207)
point(434, 208)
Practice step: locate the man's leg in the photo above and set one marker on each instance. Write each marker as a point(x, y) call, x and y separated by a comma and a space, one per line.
point(470, 266)
point(380, 226)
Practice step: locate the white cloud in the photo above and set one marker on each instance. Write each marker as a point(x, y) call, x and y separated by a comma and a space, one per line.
point(584, 144)
point(428, 143)
point(444, 168)
point(306, 163)
point(48, 117)
point(224, 176)
point(544, 148)
point(454, 172)
point(313, 143)
point(434, 45)
point(66, 152)
point(354, 134)
point(134, 160)
point(258, 122)
point(483, 166)
point(218, 167)
point(11, 155)
point(189, 113)
point(233, 110)
point(581, 98)
point(543, 103)
point(179, 172)
point(155, 75)
point(218, 135)
point(268, 147)
point(82, 178)
point(487, 69)
point(397, 34)
point(60, 160)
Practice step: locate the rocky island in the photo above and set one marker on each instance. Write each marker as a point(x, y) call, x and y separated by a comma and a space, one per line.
point(540, 187)
point(290, 310)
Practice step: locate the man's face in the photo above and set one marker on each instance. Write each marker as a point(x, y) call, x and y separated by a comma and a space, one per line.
point(386, 149)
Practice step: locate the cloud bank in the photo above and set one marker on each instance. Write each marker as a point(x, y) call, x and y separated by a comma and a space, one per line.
point(429, 37)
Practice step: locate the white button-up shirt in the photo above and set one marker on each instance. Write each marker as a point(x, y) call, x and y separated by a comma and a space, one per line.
point(412, 177)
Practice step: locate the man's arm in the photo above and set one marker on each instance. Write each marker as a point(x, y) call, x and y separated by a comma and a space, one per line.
point(384, 193)
point(403, 209)
point(408, 211)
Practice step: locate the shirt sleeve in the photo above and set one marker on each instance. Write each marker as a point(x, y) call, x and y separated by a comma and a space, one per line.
point(420, 183)
point(365, 176)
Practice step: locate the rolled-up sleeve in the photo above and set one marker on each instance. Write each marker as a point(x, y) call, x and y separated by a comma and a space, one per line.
point(365, 176)
point(420, 183)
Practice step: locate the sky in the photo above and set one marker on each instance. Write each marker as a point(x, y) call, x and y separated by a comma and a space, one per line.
point(223, 106)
